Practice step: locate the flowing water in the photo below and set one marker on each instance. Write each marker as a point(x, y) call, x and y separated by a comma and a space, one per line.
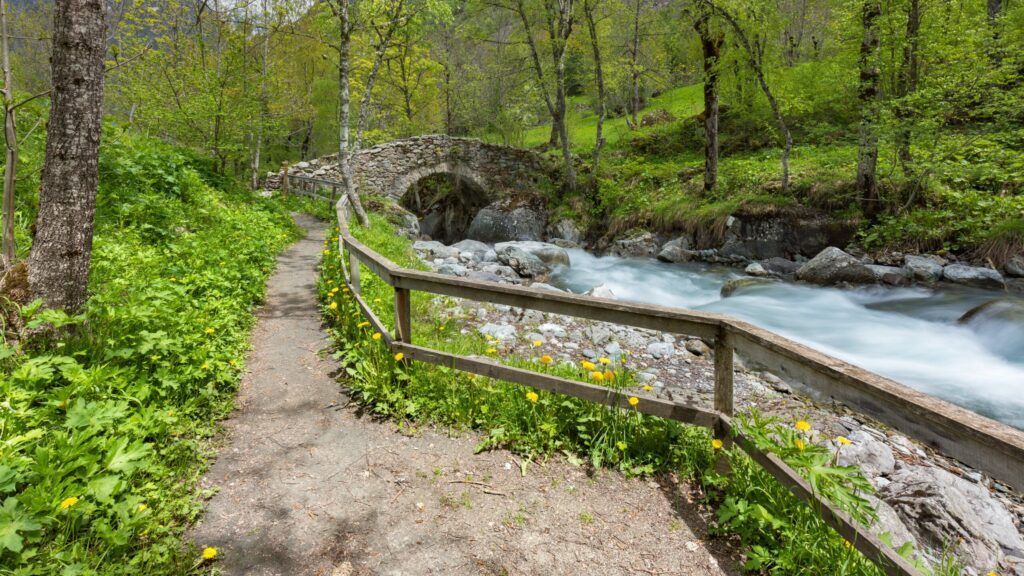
point(908, 334)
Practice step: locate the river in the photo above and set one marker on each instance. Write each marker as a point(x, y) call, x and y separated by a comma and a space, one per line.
point(908, 334)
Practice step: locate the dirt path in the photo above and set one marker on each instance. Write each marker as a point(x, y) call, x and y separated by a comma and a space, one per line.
point(308, 486)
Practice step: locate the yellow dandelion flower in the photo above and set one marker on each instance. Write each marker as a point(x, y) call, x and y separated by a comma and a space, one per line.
point(717, 444)
point(588, 365)
point(597, 376)
point(604, 361)
point(232, 362)
point(326, 252)
point(492, 350)
point(488, 337)
point(633, 400)
point(545, 359)
point(376, 336)
point(209, 553)
point(68, 502)
point(848, 544)
point(843, 441)
point(141, 507)
point(173, 279)
point(334, 306)
point(362, 325)
point(210, 330)
point(205, 366)
point(803, 425)
point(609, 375)
point(621, 445)
point(648, 387)
point(537, 343)
point(799, 444)
point(399, 356)
point(344, 288)
point(532, 396)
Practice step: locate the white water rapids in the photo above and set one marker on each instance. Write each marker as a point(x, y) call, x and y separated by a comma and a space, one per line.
point(908, 334)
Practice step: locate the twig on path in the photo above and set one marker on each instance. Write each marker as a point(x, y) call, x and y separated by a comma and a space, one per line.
point(485, 488)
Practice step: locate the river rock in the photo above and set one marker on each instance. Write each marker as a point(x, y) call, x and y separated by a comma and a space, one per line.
point(474, 247)
point(872, 456)
point(552, 330)
point(973, 276)
point(484, 276)
point(891, 275)
point(452, 270)
point(941, 508)
point(436, 249)
point(505, 332)
point(677, 250)
point(601, 291)
point(698, 347)
point(756, 269)
point(642, 244)
point(734, 285)
point(661, 349)
point(832, 266)
point(524, 263)
point(1015, 286)
point(889, 522)
point(565, 229)
point(496, 223)
point(548, 253)
point(1015, 267)
point(923, 268)
point(780, 266)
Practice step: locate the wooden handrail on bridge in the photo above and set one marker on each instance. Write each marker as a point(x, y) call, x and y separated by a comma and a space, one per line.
point(990, 446)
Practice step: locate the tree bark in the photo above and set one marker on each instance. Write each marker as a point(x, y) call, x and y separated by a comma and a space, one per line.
point(11, 142)
point(264, 104)
point(560, 22)
point(59, 260)
point(588, 11)
point(711, 45)
point(344, 161)
point(868, 93)
point(634, 65)
point(520, 9)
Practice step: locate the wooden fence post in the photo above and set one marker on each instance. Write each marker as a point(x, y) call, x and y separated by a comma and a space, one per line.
point(403, 316)
point(353, 277)
point(284, 177)
point(723, 388)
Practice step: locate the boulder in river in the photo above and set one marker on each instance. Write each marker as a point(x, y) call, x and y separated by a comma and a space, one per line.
point(756, 269)
point(780, 266)
point(941, 508)
point(891, 275)
point(524, 263)
point(642, 244)
point(923, 268)
point(474, 247)
point(736, 284)
point(550, 254)
point(496, 223)
point(973, 276)
point(601, 291)
point(565, 229)
point(1015, 267)
point(833, 266)
point(677, 250)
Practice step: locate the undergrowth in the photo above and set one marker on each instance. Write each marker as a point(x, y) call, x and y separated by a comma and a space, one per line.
point(105, 427)
point(780, 534)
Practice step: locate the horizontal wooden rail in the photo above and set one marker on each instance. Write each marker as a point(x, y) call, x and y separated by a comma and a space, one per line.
point(990, 446)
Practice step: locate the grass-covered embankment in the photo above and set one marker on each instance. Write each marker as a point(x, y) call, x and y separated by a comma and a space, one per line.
point(779, 533)
point(105, 429)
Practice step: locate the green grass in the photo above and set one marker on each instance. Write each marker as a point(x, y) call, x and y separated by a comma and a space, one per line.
point(681, 102)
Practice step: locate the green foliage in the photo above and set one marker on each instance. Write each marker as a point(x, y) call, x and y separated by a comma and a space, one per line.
point(107, 417)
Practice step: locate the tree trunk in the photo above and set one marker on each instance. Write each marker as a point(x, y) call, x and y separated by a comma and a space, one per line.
point(868, 94)
point(59, 261)
point(264, 104)
point(634, 65)
point(588, 11)
point(560, 28)
point(344, 160)
point(556, 120)
point(11, 140)
point(711, 45)
point(906, 85)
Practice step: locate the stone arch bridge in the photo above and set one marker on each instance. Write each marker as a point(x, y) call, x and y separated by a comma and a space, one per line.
point(390, 169)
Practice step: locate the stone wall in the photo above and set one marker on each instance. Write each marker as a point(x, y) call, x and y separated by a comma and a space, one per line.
point(391, 168)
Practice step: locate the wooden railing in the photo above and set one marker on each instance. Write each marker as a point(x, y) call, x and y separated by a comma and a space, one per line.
point(308, 186)
point(990, 446)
